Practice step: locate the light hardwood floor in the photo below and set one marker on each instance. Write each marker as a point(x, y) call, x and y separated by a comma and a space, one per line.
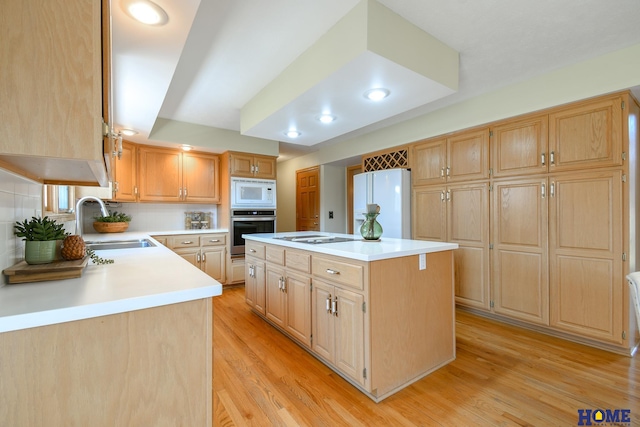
point(502, 376)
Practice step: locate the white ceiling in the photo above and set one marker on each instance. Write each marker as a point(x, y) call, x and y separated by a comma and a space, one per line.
point(215, 55)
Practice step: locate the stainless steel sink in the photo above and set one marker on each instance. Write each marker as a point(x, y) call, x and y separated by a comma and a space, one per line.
point(120, 244)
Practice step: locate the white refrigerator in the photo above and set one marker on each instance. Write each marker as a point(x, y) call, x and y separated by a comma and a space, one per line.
point(391, 190)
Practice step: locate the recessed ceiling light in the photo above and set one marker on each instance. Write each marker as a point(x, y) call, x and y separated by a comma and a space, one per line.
point(145, 11)
point(128, 132)
point(377, 94)
point(292, 133)
point(326, 118)
point(186, 147)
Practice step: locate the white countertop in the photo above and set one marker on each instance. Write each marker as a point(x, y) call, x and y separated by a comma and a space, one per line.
point(139, 278)
point(357, 249)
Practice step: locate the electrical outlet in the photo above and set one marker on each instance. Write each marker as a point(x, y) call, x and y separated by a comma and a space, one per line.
point(330, 214)
point(422, 261)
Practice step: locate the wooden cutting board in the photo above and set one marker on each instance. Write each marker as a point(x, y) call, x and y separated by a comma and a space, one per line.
point(57, 270)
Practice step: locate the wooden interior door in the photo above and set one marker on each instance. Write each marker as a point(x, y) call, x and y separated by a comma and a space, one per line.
point(308, 199)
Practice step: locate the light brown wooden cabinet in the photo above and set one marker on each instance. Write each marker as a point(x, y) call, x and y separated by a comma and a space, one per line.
point(586, 135)
point(460, 157)
point(125, 174)
point(52, 85)
point(338, 328)
point(520, 147)
point(205, 251)
point(458, 214)
point(586, 254)
point(252, 166)
point(520, 258)
point(561, 220)
point(167, 175)
point(349, 319)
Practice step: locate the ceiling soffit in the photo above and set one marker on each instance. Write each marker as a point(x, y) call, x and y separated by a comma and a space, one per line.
point(369, 47)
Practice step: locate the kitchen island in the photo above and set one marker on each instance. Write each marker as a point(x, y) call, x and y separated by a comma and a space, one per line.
point(128, 343)
point(380, 314)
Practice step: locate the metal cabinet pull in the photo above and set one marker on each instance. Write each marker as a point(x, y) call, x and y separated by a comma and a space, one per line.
point(188, 242)
point(198, 258)
point(214, 241)
point(448, 171)
point(441, 172)
point(552, 189)
point(543, 191)
point(442, 196)
point(180, 193)
point(280, 283)
point(330, 271)
point(185, 192)
point(252, 250)
point(334, 306)
point(204, 258)
point(284, 285)
point(448, 195)
point(552, 158)
point(328, 302)
point(543, 158)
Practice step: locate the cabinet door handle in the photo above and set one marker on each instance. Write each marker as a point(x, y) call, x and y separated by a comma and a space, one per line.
point(448, 195)
point(198, 258)
point(330, 271)
point(552, 158)
point(552, 189)
point(328, 301)
point(187, 242)
point(448, 171)
point(116, 186)
point(334, 306)
point(543, 191)
point(280, 283)
point(204, 258)
point(214, 241)
point(284, 285)
point(252, 250)
point(442, 172)
point(442, 196)
point(542, 156)
point(185, 192)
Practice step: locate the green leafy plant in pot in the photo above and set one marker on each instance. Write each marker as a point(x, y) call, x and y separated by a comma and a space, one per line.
point(41, 236)
point(115, 222)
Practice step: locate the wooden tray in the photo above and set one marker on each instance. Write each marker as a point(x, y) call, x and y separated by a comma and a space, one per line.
point(57, 270)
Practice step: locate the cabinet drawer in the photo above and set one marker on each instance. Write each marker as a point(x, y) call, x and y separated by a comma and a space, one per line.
point(254, 249)
point(298, 261)
point(213, 239)
point(183, 241)
point(335, 271)
point(275, 254)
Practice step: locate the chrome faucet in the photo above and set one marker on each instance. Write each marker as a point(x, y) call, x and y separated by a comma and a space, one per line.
point(79, 203)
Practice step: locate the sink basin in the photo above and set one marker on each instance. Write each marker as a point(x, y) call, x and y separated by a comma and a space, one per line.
point(119, 244)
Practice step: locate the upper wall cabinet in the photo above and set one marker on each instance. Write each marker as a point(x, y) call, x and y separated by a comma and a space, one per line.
point(586, 135)
point(167, 175)
point(125, 174)
point(520, 147)
point(463, 156)
point(51, 83)
point(252, 166)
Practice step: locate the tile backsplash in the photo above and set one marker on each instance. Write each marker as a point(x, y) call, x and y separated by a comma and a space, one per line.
point(20, 199)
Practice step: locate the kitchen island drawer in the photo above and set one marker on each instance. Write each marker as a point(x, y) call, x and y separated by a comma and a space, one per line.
point(254, 249)
point(300, 261)
point(338, 271)
point(275, 254)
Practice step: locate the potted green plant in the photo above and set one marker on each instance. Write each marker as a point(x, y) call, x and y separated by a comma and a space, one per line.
point(41, 236)
point(115, 222)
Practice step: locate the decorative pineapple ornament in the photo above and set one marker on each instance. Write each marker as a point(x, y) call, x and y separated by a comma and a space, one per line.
point(73, 248)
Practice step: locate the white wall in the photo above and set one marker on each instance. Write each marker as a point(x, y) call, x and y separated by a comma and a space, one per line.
point(333, 198)
point(612, 72)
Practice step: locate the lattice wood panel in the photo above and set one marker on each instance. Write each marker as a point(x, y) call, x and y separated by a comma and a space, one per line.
point(390, 160)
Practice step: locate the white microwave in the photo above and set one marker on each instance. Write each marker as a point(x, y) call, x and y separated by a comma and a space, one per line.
point(253, 193)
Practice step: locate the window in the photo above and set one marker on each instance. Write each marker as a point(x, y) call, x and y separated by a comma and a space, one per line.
point(58, 199)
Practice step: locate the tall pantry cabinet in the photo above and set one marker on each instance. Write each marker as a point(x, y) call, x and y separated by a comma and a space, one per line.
point(560, 221)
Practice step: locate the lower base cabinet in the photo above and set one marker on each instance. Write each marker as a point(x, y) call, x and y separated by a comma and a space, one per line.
point(338, 329)
point(381, 325)
point(208, 252)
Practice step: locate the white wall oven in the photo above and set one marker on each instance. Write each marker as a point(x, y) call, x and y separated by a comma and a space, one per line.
point(248, 193)
point(245, 221)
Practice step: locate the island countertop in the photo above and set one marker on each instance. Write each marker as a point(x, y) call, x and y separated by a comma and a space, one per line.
point(357, 248)
point(139, 278)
